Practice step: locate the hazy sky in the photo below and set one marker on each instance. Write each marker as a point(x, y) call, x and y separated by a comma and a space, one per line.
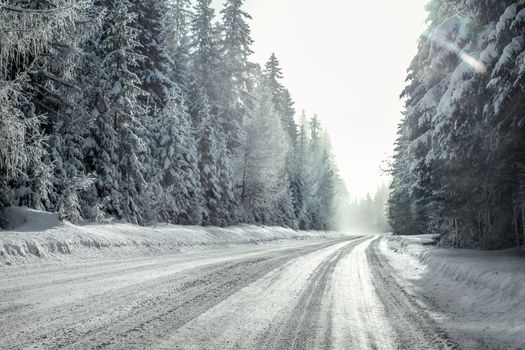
point(346, 61)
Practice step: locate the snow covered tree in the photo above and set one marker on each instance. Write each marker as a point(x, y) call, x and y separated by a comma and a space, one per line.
point(264, 185)
point(300, 184)
point(281, 98)
point(460, 125)
point(155, 69)
point(179, 176)
point(211, 148)
point(205, 57)
point(156, 73)
point(401, 212)
point(147, 111)
point(116, 147)
point(178, 42)
point(178, 20)
point(283, 107)
point(321, 178)
point(235, 78)
point(206, 112)
point(37, 58)
point(56, 92)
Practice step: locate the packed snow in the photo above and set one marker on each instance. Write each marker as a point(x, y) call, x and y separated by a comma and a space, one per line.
point(301, 291)
point(307, 294)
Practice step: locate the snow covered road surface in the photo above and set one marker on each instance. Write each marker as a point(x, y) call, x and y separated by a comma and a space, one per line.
point(315, 294)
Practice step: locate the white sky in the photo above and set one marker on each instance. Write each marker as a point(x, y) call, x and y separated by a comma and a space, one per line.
point(345, 60)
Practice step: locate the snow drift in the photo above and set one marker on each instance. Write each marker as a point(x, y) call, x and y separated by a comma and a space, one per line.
point(35, 234)
point(26, 219)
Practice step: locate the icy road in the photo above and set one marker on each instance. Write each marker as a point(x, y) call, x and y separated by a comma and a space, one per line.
point(311, 294)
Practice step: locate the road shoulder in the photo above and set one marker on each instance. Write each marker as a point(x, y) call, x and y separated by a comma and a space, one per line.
point(477, 297)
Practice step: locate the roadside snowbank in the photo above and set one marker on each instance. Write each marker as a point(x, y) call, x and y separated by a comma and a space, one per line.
point(481, 293)
point(35, 235)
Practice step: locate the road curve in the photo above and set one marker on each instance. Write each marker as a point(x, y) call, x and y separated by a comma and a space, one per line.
point(314, 294)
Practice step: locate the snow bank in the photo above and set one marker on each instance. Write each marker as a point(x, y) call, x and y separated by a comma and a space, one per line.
point(34, 235)
point(25, 219)
point(482, 294)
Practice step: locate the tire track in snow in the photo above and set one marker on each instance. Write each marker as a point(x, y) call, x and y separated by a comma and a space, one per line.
point(240, 321)
point(304, 328)
point(134, 315)
point(413, 327)
point(328, 299)
point(337, 294)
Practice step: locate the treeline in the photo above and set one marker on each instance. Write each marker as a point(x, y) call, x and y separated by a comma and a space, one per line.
point(150, 110)
point(368, 214)
point(459, 168)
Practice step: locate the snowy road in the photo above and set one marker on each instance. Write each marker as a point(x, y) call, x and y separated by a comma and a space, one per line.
point(312, 294)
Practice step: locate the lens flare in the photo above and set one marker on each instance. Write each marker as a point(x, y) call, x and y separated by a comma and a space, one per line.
point(471, 61)
point(440, 37)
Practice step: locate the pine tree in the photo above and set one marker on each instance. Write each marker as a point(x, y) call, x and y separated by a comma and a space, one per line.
point(264, 187)
point(459, 125)
point(155, 69)
point(56, 92)
point(299, 178)
point(32, 36)
point(206, 113)
point(179, 176)
point(205, 56)
point(283, 107)
point(178, 43)
point(401, 215)
point(322, 179)
point(210, 149)
point(156, 72)
point(118, 147)
point(281, 97)
point(145, 111)
point(235, 78)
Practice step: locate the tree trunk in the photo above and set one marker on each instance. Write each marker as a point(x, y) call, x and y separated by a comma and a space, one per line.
point(523, 222)
point(516, 227)
point(489, 228)
point(480, 229)
point(456, 233)
point(243, 193)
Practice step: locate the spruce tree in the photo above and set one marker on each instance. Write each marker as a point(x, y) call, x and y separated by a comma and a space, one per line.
point(34, 36)
point(265, 184)
point(206, 113)
point(181, 198)
point(178, 24)
point(460, 124)
point(118, 147)
point(235, 78)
